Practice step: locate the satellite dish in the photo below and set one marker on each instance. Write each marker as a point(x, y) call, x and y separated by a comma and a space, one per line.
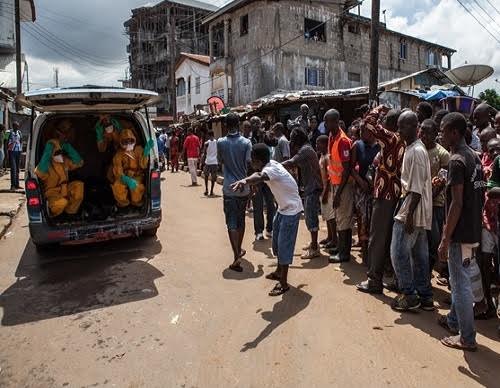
point(469, 75)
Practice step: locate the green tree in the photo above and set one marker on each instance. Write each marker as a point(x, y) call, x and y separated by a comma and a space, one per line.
point(491, 97)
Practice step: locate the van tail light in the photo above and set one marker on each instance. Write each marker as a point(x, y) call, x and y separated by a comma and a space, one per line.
point(34, 202)
point(32, 194)
point(31, 185)
point(155, 189)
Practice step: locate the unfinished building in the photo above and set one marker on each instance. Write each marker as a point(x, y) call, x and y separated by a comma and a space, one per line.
point(157, 36)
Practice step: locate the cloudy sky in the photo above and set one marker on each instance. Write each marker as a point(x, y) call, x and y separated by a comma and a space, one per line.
point(85, 39)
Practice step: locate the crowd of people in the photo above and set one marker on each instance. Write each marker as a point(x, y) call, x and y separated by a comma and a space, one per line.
point(421, 190)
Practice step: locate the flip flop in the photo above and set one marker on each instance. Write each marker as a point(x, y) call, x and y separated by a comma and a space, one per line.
point(455, 342)
point(273, 276)
point(243, 252)
point(278, 290)
point(236, 267)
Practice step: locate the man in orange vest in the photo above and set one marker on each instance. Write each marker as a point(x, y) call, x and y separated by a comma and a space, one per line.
point(343, 188)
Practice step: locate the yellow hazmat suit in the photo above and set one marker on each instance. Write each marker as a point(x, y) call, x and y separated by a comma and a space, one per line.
point(61, 195)
point(129, 164)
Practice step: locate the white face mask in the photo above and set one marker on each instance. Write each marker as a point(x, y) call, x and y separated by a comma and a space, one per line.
point(129, 147)
point(58, 159)
point(109, 129)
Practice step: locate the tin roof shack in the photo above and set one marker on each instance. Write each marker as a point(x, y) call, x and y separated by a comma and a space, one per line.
point(430, 85)
point(260, 46)
point(152, 56)
point(283, 105)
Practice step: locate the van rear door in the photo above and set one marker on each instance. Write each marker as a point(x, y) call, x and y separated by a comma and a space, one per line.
point(92, 98)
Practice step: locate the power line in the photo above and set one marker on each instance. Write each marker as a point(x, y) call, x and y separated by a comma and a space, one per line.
point(477, 20)
point(493, 6)
point(495, 23)
point(84, 55)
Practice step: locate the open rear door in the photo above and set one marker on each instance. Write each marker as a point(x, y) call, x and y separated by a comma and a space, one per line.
point(87, 99)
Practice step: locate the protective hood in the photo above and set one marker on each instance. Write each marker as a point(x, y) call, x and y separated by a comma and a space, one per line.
point(127, 134)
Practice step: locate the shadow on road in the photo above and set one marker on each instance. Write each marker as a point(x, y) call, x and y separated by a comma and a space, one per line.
point(77, 279)
point(265, 247)
point(248, 271)
point(292, 303)
point(483, 366)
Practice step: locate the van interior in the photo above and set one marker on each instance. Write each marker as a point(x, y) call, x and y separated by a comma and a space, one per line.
point(99, 203)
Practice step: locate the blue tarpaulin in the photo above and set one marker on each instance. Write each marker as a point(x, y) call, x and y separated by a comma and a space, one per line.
point(436, 95)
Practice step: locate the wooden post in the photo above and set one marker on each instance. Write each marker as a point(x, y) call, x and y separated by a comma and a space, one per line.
point(374, 50)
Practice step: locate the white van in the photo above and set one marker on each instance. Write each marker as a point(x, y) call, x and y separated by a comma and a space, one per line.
point(98, 218)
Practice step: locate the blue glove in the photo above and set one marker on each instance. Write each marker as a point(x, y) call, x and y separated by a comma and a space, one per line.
point(71, 152)
point(148, 147)
point(46, 158)
point(129, 182)
point(117, 125)
point(99, 132)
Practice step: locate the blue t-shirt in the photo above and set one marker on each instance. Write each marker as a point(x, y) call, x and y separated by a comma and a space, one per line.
point(365, 153)
point(234, 152)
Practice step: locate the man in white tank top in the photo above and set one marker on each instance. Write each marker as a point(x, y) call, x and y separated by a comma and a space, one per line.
point(209, 162)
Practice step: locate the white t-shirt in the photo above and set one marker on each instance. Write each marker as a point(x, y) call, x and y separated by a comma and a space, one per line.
point(416, 178)
point(284, 189)
point(211, 158)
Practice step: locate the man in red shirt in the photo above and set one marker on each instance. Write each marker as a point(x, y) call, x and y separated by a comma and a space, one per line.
point(192, 149)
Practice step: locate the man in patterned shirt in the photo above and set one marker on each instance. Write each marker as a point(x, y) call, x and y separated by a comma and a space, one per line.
point(387, 189)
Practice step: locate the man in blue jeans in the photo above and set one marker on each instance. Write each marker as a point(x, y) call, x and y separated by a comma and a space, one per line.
point(286, 222)
point(409, 249)
point(14, 147)
point(234, 153)
point(462, 231)
point(306, 159)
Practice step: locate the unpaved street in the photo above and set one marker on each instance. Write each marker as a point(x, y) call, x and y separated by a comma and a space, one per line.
point(166, 313)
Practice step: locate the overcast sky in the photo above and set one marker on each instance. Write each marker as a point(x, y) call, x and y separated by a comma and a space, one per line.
point(85, 39)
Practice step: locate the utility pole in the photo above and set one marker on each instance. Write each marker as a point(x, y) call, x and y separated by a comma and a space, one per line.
point(375, 23)
point(56, 77)
point(26, 69)
point(19, 85)
point(173, 94)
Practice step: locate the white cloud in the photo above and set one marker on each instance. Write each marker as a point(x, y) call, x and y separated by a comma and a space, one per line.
point(42, 74)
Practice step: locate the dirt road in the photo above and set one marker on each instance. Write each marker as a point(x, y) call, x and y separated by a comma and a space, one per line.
point(166, 313)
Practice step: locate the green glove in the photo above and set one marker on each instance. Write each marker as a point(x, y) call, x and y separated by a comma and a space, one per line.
point(129, 182)
point(46, 158)
point(148, 147)
point(117, 125)
point(99, 132)
point(71, 152)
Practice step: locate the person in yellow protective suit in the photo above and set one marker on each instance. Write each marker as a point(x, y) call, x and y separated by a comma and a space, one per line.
point(107, 132)
point(57, 159)
point(129, 164)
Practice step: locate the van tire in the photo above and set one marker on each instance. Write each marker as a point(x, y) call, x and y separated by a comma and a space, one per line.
point(149, 232)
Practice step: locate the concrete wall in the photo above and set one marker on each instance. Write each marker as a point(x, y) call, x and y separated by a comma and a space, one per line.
point(193, 69)
point(7, 26)
point(272, 23)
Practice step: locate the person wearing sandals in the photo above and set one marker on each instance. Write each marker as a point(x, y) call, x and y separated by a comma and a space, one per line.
point(286, 221)
point(306, 159)
point(233, 152)
point(462, 231)
point(409, 245)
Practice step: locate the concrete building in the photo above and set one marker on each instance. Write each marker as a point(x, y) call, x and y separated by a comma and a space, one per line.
point(258, 46)
point(193, 88)
point(157, 35)
point(8, 76)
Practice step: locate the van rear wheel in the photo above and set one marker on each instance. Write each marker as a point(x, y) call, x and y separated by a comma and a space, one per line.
point(149, 232)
